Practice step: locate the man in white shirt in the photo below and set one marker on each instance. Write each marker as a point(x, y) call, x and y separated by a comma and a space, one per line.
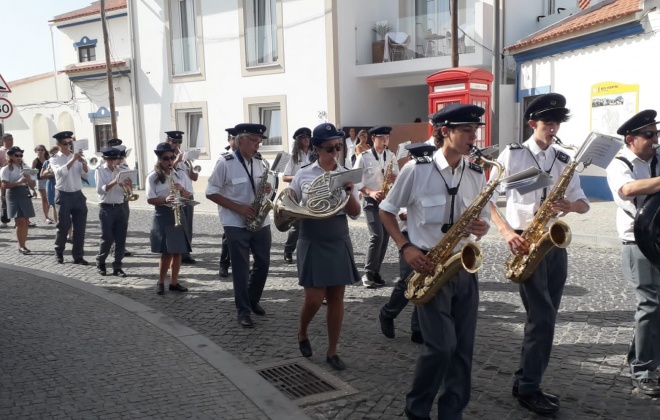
point(351, 142)
point(233, 186)
point(69, 169)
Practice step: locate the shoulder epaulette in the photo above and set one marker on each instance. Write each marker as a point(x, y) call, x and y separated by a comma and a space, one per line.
point(304, 166)
point(563, 157)
point(258, 156)
point(228, 156)
point(366, 151)
point(515, 146)
point(422, 159)
point(476, 167)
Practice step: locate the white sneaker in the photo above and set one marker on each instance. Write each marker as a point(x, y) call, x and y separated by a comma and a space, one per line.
point(367, 282)
point(4, 225)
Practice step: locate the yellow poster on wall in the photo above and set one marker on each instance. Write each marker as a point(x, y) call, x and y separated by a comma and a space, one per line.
point(612, 104)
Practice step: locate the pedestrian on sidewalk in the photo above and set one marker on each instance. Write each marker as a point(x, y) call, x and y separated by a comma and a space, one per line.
point(7, 143)
point(167, 238)
point(541, 293)
point(38, 164)
point(326, 263)
point(48, 174)
point(16, 185)
point(632, 177)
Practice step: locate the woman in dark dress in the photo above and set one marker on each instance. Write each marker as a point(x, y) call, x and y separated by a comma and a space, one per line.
point(19, 205)
point(168, 238)
point(325, 253)
point(38, 163)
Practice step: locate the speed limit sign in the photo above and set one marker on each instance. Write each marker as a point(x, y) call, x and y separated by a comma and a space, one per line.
point(6, 109)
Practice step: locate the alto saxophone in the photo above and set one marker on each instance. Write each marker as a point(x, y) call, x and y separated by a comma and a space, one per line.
point(261, 203)
point(387, 177)
point(421, 287)
point(520, 267)
point(177, 203)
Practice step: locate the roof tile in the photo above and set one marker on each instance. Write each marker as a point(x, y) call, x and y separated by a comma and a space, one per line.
point(92, 9)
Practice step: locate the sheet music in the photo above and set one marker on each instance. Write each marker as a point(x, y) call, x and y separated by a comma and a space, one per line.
point(30, 172)
point(281, 160)
point(401, 151)
point(124, 175)
point(82, 144)
point(338, 180)
point(192, 154)
point(526, 181)
point(599, 149)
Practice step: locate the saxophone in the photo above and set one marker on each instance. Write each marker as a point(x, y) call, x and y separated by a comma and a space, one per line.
point(261, 203)
point(421, 287)
point(177, 203)
point(387, 177)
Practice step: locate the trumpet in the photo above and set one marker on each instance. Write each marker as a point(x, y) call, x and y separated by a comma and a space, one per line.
point(127, 189)
point(189, 158)
point(92, 163)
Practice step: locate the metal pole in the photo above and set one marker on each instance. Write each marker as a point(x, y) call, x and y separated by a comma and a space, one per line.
point(108, 69)
point(497, 74)
point(454, 33)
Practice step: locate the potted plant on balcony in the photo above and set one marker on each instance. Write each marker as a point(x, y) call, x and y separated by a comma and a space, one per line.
point(380, 28)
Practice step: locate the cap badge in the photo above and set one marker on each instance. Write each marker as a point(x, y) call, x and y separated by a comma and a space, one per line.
point(553, 103)
point(473, 115)
point(327, 127)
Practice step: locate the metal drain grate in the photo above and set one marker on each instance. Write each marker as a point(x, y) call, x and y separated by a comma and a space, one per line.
point(303, 382)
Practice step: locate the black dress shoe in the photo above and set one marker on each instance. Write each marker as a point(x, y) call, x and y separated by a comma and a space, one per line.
point(128, 254)
point(386, 325)
point(335, 362)
point(258, 310)
point(411, 416)
point(188, 260)
point(80, 261)
point(60, 257)
point(416, 337)
point(160, 288)
point(23, 250)
point(538, 403)
point(177, 288)
point(305, 347)
point(101, 269)
point(552, 398)
point(288, 257)
point(647, 386)
point(378, 280)
point(118, 272)
point(224, 272)
point(246, 322)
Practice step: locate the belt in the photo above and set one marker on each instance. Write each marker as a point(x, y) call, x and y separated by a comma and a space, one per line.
point(111, 204)
point(629, 242)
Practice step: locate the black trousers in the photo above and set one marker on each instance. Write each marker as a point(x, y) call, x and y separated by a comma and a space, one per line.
point(225, 261)
point(71, 210)
point(114, 225)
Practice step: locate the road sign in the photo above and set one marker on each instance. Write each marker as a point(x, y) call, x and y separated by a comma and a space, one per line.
point(4, 87)
point(6, 109)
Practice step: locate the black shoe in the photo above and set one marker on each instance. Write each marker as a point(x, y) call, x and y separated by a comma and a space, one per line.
point(177, 288)
point(80, 261)
point(118, 272)
point(647, 386)
point(224, 272)
point(411, 416)
point(368, 280)
point(552, 398)
point(101, 269)
point(288, 257)
point(69, 239)
point(305, 347)
point(386, 325)
point(538, 403)
point(335, 362)
point(160, 288)
point(23, 250)
point(188, 260)
point(60, 257)
point(128, 254)
point(378, 280)
point(257, 309)
point(246, 322)
point(416, 337)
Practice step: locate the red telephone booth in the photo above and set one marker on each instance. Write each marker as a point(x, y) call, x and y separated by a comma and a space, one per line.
point(466, 85)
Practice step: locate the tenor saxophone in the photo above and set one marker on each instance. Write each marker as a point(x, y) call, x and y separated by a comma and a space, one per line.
point(261, 203)
point(387, 177)
point(519, 267)
point(421, 287)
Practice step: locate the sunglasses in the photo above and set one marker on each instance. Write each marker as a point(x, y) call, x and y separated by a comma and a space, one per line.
point(336, 148)
point(175, 141)
point(18, 156)
point(167, 158)
point(648, 135)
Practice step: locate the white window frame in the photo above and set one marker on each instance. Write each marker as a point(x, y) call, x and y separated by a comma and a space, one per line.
point(245, 7)
point(254, 110)
point(179, 112)
point(100, 146)
point(174, 54)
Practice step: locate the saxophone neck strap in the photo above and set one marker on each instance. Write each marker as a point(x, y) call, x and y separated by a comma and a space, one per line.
point(249, 173)
point(375, 153)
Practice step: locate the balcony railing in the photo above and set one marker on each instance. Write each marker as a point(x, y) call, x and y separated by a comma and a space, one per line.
point(414, 37)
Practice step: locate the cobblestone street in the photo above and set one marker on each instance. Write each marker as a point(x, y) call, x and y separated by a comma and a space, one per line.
point(587, 368)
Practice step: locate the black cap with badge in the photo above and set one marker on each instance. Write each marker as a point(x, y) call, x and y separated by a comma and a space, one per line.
point(63, 135)
point(458, 114)
point(175, 134)
point(550, 106)
point(324, 132)
point(637, 122)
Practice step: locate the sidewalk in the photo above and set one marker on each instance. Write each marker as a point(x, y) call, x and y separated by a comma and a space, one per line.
point(74, 350)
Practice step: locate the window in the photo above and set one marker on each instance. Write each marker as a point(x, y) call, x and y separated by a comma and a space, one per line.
point(183, 27)
point(260, 32)
point(102, 133)
point(271, 112)
point(191, 122)
point(87, 53)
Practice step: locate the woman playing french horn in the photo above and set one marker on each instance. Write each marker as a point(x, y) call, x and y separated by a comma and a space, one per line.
point(19, 205)
point(165, 189)
point(325, 253)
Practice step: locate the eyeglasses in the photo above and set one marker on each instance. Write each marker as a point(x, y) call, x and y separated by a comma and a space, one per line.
point(336, 148)
point(175, 141)
point(167, 158)
point(256, 140)
point(68, 143)
point(648, 135)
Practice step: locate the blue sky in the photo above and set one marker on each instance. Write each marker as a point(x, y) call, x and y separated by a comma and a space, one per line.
point(25, 45)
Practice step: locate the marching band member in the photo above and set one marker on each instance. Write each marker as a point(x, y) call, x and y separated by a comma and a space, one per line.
point(422, 152)
point(448, 321)
point(225, 261)
point(351, 142)
point(69, 169)
point(541, 293)
point(112, 211)
point(633, 176)
point(325, 252)
point(299, 158)
point(19, 205)
point(375, 162)
point(233, 186)
point(175, 139)
point(168, 239)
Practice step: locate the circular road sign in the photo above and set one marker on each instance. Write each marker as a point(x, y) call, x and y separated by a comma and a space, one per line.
point(6, 109)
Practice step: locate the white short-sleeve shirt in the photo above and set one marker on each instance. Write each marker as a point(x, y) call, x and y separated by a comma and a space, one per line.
point(374, 165)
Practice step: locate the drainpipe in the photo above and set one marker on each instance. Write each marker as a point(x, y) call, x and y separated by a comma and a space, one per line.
point(138, 127)
point(497, 74)
point(52, 47)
